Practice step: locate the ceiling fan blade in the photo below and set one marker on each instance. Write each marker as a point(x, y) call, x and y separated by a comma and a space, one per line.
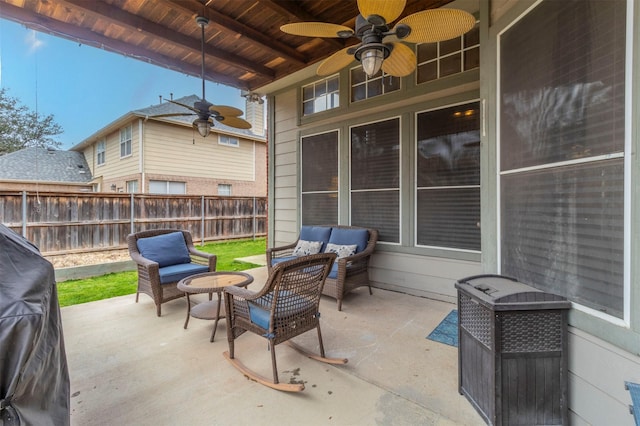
point(388, 9)
point(401, 62)
point(175, 114)
point(224, 110)
point(183, 105)
point(430, 26)
point(317, 29)
point(235, 122)
point(335, 62)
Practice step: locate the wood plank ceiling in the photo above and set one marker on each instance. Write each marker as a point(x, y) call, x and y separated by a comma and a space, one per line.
point(244, 45)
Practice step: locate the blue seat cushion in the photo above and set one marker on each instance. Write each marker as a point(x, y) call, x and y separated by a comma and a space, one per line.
point(360, 237)
point(315, 233)
point(277, 260)
point(260, 314)
point(173, 273)
point(166, 249)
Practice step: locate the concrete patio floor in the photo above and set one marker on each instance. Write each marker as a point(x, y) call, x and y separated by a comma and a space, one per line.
point(129, 367)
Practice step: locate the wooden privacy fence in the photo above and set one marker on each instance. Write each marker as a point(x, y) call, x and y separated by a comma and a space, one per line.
point(80, 222)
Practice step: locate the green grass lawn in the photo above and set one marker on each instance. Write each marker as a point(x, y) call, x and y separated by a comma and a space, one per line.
point(85, 290)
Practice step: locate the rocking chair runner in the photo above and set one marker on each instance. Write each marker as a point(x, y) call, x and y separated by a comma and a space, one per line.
point(285, 307)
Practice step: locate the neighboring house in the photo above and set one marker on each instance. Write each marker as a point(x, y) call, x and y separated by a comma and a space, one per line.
point(511, 150)
point(46, 170)
point(138, 153)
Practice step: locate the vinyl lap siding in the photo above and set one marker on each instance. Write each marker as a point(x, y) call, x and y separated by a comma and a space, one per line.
point(285, 180)
point(114, 165)
point(176, 150)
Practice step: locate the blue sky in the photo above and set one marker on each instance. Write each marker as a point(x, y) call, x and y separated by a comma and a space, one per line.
point(86, 88)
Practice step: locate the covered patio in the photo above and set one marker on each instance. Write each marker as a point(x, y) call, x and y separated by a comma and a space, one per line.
point(130, 367)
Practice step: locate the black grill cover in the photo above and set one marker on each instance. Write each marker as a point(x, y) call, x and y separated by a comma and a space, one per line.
point(34, 377)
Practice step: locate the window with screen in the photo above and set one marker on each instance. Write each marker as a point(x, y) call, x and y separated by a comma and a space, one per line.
point(319, 177)
point(448, 177)
point(167, 187)
point(375, 178)
point(562, 150)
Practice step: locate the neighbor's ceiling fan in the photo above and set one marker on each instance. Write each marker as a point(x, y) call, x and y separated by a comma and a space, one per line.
point(205, 110)
point(380, 47)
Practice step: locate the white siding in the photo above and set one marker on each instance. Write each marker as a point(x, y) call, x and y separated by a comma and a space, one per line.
point(193, 156)
point(115, 166)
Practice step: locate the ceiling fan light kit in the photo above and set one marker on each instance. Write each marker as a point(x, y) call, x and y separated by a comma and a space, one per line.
point(371, 57)
point(203, 126)
point(373, 25)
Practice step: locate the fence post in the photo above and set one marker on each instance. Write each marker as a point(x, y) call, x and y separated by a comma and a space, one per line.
point(254, 219)
point(133, 224)
point(202, 222)
point(24, 214)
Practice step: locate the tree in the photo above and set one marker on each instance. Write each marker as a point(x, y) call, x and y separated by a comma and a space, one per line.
point(22, 128)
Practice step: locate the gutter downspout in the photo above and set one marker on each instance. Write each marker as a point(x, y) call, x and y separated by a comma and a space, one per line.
point(141, 153)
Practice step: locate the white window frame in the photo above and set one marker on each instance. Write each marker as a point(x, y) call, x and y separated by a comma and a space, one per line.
point(417, 188)
point(227, 140)
point(126, 137)
point(168, 185)
point(626, 320)
point(337, 191)
point(399, 189)
point(224, 189)
point(101, 152)
point(328, 100)
point(132, 186)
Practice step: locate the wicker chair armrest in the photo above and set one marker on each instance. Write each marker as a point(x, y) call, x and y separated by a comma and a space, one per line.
point(355, 263)
point(241, 292)
point(142, 261)
point(204, 258)
point(275, 252)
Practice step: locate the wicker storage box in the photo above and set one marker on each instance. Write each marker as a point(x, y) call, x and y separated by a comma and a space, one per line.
point(512, 356)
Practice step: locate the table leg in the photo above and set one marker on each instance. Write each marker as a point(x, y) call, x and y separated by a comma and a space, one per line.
point(186, 322)
point(215, 324)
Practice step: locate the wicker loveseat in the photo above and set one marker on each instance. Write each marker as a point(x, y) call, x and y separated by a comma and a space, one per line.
point(350, 270)
point(164, 257)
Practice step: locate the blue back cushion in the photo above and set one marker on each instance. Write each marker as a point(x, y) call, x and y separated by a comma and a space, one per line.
point(349, 237)
point(315, 233)
point(166, 249)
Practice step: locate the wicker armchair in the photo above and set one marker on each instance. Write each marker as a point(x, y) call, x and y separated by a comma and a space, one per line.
point(285, 307)
point(159, 273)
point(349, 272)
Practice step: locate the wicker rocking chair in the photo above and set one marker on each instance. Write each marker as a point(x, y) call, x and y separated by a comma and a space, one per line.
point(285, 307)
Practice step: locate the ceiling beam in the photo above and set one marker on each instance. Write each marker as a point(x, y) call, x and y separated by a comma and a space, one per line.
point(125, 19)
point(249, 34)
point(294, 13)
point(83, 36)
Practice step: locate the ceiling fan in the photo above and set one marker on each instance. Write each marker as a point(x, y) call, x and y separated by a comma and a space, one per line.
point(206, 111)
point(380, 45)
